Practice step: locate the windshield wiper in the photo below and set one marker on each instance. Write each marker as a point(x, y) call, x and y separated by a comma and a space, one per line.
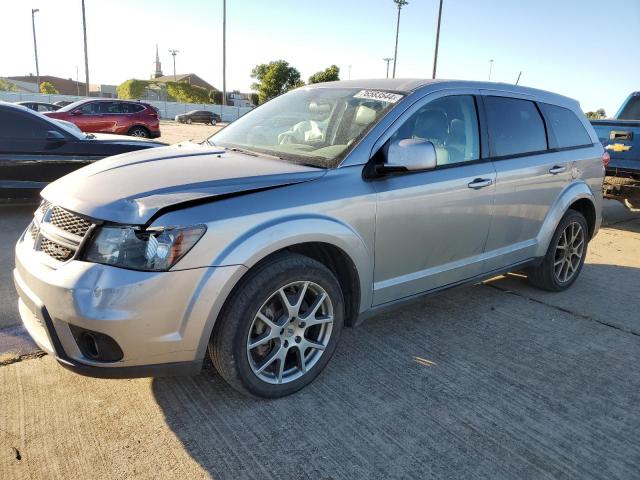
point(252, 152)
point(89, 135)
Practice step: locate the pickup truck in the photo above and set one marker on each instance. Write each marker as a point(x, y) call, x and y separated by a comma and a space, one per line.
point(620, 136)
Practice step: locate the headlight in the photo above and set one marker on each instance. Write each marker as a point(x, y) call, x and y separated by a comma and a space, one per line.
point(151, 249)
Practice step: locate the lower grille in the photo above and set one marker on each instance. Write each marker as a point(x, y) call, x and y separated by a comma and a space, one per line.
point(58, 252)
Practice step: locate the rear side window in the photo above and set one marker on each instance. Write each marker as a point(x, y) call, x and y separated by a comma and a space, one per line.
point(566, 129)
point(631, 110)
point(131, 107)
point(515, 126)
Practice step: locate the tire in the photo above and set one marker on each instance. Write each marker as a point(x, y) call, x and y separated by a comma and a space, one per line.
point(139, 131)
point(189, 121)
point(559, 269)
point(213, 122)
point(258, 296)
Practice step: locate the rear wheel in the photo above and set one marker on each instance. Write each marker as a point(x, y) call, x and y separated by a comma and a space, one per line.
point(279, 328)
point(139, 131)
point(213, 122)
point(565, 256)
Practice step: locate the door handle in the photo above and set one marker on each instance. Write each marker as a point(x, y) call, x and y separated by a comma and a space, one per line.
point(480, 183)
point(556, 169)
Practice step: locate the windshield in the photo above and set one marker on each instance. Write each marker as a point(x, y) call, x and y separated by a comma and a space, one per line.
point(315, 126)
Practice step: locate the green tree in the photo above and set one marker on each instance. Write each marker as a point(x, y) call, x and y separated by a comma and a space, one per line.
point(47, 87)
point(215, 96)
point(330, 74)
point(185, 93)
point(132, 88)
point(6, 86)
point(274, 78)
point(597, 115)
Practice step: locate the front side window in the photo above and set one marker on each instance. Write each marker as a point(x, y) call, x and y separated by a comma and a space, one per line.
point(515, 126)
point(18, 125)
point(316, 126)
point(91, 108)
point(566, 129)
point(451, 124)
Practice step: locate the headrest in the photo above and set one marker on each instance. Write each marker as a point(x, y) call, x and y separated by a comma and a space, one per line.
point(364, 115)
point(432, 124)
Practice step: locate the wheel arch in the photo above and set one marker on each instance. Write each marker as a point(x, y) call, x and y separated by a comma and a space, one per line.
point(577, 196)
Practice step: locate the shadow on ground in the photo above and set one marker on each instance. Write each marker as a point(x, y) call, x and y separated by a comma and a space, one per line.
point(479, 382)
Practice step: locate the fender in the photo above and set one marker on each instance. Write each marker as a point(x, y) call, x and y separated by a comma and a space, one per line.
point(576, 190)
point(234, 261)
point(277, 234)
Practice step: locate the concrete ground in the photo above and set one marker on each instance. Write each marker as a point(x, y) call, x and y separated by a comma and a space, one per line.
point(496, 380)
point(174, 132)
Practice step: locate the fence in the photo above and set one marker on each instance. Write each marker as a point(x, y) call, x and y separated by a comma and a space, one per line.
point(168, 110)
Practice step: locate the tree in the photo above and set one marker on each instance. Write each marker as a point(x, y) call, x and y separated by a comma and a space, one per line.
point(47, 87)
point(274, 78)
point(597, 115)
point(215, 96)
point(330, 74)
point(185, 93)
point(6, 86)
point(132, 88)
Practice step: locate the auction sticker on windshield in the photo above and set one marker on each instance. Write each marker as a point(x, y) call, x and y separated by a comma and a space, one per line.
point(378, 95)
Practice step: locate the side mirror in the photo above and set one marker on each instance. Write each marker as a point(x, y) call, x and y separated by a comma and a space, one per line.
point(76, 112)
point(54, 136)
point(409, 155)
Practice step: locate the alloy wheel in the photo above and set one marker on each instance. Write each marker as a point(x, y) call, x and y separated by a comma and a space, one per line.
point(290, 332)
point(569, 252)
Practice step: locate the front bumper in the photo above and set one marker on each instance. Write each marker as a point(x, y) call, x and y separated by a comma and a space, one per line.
point(162, 321)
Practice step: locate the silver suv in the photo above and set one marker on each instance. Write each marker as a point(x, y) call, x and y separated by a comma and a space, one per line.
point(310, 213)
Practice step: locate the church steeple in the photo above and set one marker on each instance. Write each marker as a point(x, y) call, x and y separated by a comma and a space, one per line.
point(158, 72)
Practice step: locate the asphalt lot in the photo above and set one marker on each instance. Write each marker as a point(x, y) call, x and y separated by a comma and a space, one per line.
point(496, 380)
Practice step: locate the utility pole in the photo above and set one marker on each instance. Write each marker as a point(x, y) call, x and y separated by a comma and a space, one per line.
point(518, 77)
point(349, 72)
point(490, 68)
point(224, 52)
point(77, 82)
point(174, 53)
point(35, 47)
point(435, 55)
point(400, 3)
point(86, 55)
point(387, 60)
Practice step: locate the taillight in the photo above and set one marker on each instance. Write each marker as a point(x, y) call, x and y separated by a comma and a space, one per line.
point(606, 158)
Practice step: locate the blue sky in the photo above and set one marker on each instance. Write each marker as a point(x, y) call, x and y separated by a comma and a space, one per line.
point(586, 49)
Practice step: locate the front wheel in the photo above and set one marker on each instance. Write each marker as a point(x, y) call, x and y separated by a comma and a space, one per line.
point(565, 256)
point(279, 328)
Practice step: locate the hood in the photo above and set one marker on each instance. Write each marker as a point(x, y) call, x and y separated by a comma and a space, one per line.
point(133, 187)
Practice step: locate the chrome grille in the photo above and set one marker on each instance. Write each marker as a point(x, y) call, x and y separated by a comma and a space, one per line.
point(60, 253)
point(57, 232)
point(69, 222)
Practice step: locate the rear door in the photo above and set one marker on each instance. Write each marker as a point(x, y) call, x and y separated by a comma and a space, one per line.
point(531, 174)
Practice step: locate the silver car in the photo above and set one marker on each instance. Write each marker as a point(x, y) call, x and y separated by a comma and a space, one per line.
point(307, 215)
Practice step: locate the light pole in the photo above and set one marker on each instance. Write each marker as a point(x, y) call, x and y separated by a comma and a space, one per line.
point(35, 47)
point(519, 75)
point(77, 83)
point(435, 55)
point(86, 55)
point(349, 72)
point(400, 3)
point(224, 52)
point(174, 53)
point(490, 68)
point(387, 60)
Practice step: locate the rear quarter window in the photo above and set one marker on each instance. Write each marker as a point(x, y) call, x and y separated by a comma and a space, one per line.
point(566, 129)
point(515, 126)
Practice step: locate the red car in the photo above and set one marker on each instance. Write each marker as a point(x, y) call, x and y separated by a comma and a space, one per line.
point(112, 116)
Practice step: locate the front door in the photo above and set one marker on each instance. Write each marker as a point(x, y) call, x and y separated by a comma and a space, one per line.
point(432, 226)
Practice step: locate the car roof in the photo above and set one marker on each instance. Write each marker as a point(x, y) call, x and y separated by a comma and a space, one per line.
point(409, 85)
